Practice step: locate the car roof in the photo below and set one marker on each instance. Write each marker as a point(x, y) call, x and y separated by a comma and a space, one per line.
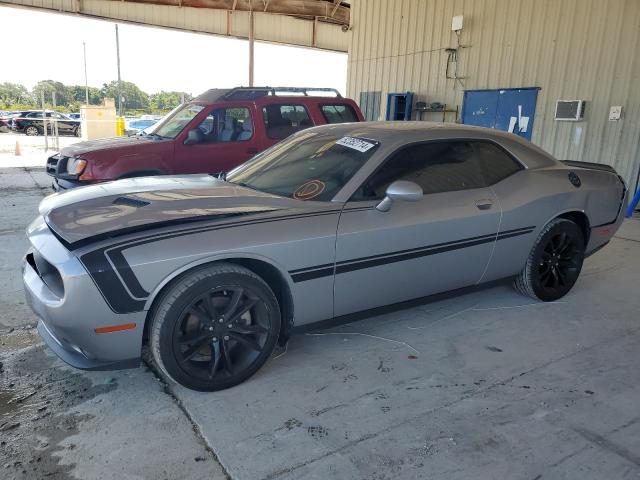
point(398, 133)
point(256, 94)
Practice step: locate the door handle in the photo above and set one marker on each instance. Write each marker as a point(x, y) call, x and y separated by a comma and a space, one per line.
point(484, 204)
point(252, 151)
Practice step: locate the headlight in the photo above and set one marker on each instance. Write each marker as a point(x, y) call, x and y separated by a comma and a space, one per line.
point(76, 166)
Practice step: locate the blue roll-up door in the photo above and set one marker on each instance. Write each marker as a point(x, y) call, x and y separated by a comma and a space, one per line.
point(508, 109)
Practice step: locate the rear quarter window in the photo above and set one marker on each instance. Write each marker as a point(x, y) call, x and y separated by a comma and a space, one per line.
point(282, 120)
point(338, 113)
point(495, 163)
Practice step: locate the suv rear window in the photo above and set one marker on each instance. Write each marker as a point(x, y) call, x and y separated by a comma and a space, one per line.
point(338, 113)
point(280, 120)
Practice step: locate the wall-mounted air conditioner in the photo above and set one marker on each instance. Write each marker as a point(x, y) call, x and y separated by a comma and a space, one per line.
point(570, 110)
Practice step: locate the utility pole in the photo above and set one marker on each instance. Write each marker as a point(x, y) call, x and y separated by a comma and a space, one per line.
point(251, 48)
point(119, 80)
point(86, 82)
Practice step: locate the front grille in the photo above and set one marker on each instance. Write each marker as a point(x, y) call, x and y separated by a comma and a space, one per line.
point(57, 164)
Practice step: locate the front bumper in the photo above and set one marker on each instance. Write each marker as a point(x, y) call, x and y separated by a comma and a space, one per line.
point(68, 320)
point(60, 185)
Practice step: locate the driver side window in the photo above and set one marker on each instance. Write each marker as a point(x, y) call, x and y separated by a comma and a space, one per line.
point(226, 125)
point(435, 166)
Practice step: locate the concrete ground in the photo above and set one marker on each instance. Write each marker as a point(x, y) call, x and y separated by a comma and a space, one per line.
point(484, 385)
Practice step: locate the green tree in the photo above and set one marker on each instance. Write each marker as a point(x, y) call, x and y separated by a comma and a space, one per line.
point(167, 100)
point(63, 93)
point(78, 95)
point(14, 94)
point(132, 97)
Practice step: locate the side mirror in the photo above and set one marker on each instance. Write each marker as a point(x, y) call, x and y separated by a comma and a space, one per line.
point(400, 190)
point(194, 136)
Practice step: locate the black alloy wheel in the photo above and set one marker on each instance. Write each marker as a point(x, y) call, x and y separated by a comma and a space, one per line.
point(555, 262)
point(559, 264)
point(220, 333)
point(215, 327)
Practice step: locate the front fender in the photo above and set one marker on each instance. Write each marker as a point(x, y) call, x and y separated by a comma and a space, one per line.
point(228, 256)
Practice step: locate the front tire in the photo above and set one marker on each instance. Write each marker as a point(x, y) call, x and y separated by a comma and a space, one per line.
point(214, 327)
point(554, 263)
point(31, 131)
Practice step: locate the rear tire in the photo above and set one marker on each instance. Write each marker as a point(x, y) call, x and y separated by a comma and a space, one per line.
point(214, 327)
point(31, 131)
point(554, 263)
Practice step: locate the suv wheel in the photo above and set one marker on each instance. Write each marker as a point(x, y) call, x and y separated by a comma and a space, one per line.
point(214, 327)
point(31, 131)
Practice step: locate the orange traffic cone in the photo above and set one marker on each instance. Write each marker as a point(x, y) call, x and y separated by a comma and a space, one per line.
point(18, 151)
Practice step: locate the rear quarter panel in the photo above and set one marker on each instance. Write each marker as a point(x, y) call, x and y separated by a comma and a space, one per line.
point(534, 197)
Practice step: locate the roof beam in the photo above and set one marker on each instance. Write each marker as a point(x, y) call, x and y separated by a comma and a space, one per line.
point(332, 11)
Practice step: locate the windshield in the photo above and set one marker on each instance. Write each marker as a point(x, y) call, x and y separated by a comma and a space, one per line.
point(307, 166)
point(175, 121)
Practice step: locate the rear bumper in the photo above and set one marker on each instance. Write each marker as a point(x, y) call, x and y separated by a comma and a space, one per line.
point(601, 235)
point(68, 320)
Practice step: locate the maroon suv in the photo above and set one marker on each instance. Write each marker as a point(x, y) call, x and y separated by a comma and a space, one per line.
point(213, 133)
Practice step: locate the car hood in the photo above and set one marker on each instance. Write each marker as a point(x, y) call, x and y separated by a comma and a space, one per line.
point(112, 209)
point(80, 148)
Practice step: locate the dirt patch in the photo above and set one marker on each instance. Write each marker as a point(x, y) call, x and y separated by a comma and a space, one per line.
point(32, 392)
point(15, 339)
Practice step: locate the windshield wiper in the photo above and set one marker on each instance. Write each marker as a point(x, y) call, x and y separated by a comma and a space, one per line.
point(155, 135)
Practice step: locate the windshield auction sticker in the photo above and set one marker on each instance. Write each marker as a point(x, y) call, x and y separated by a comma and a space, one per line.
point(309, 190)
point(355, 143)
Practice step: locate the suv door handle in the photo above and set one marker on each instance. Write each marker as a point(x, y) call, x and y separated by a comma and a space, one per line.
point(484, 204)
point(252, 151)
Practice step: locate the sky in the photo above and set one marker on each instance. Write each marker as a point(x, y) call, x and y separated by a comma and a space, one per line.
point(153, 58)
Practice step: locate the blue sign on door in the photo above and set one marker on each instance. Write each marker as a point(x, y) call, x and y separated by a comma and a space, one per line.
point(509, 109)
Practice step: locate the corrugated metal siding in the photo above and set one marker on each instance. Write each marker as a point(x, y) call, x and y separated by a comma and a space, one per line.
point(270, 28)
point(571, 49)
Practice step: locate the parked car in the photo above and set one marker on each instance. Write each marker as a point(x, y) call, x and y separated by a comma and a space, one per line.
point(333, 221)
point(214, 133)
point(74, 116)
point(5, 119)
point(31, 123)
point(137, 125)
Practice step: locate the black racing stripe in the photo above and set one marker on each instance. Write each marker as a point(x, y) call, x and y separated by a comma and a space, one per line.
point(345, 266)
point(127, 275)
point(401, 257)
point(110, 286)
point(108, 283)
point(206, 228)
point(312, 274)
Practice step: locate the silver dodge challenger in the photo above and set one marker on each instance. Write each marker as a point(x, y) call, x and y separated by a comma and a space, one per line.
point(211, 273)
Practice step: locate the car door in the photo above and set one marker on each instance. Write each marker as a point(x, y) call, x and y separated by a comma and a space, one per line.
point(442, 242)
point(523, 214)
point(227, 138)
point(63, 123)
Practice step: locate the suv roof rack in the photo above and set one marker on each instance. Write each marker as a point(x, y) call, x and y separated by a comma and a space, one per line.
point(251, 93)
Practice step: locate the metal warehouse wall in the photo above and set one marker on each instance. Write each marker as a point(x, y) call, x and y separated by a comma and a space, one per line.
point(571, 49)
